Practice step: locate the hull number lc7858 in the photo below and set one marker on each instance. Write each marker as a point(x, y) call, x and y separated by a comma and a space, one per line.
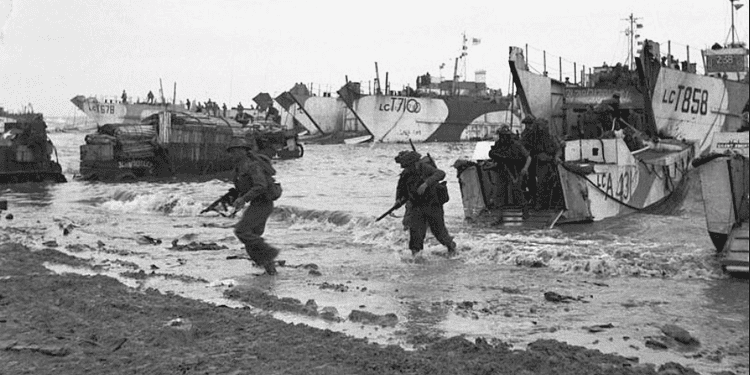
point(687, 99)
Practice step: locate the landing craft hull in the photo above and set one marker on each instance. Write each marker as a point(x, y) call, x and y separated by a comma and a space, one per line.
point(318, 114)
point(397, 119)
point(614, 183)
point(694, 107)
point(114, 112)
point(637, 181)
point(724, 184)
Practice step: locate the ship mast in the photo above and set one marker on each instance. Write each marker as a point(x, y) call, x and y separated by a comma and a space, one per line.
point(732, 29)
point(630, 32)
point(462, 56)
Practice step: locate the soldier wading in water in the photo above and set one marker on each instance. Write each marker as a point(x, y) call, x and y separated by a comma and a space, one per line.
point(419, 184)
point(253, 179)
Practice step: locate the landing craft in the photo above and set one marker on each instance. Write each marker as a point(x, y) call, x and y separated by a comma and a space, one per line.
point(724, 168)
point(614, 161)
point(725, 174)
point(26, 150)
point(324, 117)
point(437, 110)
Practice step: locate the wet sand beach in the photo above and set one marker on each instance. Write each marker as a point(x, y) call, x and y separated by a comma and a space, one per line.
point(73, 324)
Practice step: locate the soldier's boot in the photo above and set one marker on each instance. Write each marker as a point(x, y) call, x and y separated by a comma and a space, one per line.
point(269, 264)
point(452, 249)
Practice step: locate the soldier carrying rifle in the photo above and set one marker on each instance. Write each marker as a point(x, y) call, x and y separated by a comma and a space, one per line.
point(254, 182)
point(419, 184)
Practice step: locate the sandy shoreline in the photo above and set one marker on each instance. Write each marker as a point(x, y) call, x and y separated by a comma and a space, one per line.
point(67, 324)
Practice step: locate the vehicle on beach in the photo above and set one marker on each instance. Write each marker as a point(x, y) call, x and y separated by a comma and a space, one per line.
point(171, 143)
point(615, 161)
point(26, 150)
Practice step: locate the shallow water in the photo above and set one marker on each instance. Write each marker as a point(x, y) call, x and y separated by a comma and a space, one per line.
point(637, 272)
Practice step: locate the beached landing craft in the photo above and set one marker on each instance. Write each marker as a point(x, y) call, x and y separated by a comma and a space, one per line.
point(447, 111)
point(177, 143)
point(725, 179)
point(690, 106)
point(724, 167)
point(436, 111)
point(113, 111)
point(613, 161)
point(26, 151)
point(322, 116)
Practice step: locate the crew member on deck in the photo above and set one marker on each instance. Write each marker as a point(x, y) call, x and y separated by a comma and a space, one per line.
point(124, 97)
point(513, 162)
point(545, 154)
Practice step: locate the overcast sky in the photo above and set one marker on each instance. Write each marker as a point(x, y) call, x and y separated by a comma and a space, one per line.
point(229, 50)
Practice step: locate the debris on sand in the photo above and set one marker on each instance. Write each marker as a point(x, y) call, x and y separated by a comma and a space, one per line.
point(147, 240)
point(77, 248)
point(680, 334)
point(559, 298)
point(142, 275)
point(260, 299)
point(335, 287)
point(387, 320)
point(54, 351)
point(598, 327)
point(330, 313)
point(196, 246)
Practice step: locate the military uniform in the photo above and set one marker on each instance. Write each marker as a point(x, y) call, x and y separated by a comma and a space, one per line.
point(542, 173)
point(407, 207)
point(426, 209)
point(252, 184)
point(511, 159)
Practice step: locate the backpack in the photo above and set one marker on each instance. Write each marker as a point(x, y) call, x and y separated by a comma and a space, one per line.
point(274, 188)
point(441, 192)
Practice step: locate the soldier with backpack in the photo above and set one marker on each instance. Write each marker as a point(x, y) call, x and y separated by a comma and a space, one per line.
point(255, 185)
point(419, 184)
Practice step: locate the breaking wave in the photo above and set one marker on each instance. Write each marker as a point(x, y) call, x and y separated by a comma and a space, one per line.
point(594, 254)
point(164, 203)
point(597, 257)
point(630, 252)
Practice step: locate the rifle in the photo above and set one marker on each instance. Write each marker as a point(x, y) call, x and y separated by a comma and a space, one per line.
point(225, 200)
point(394, 208)
point(432, 161)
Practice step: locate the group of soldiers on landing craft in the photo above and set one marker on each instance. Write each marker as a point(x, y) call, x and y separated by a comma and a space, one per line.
point(213, 108)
